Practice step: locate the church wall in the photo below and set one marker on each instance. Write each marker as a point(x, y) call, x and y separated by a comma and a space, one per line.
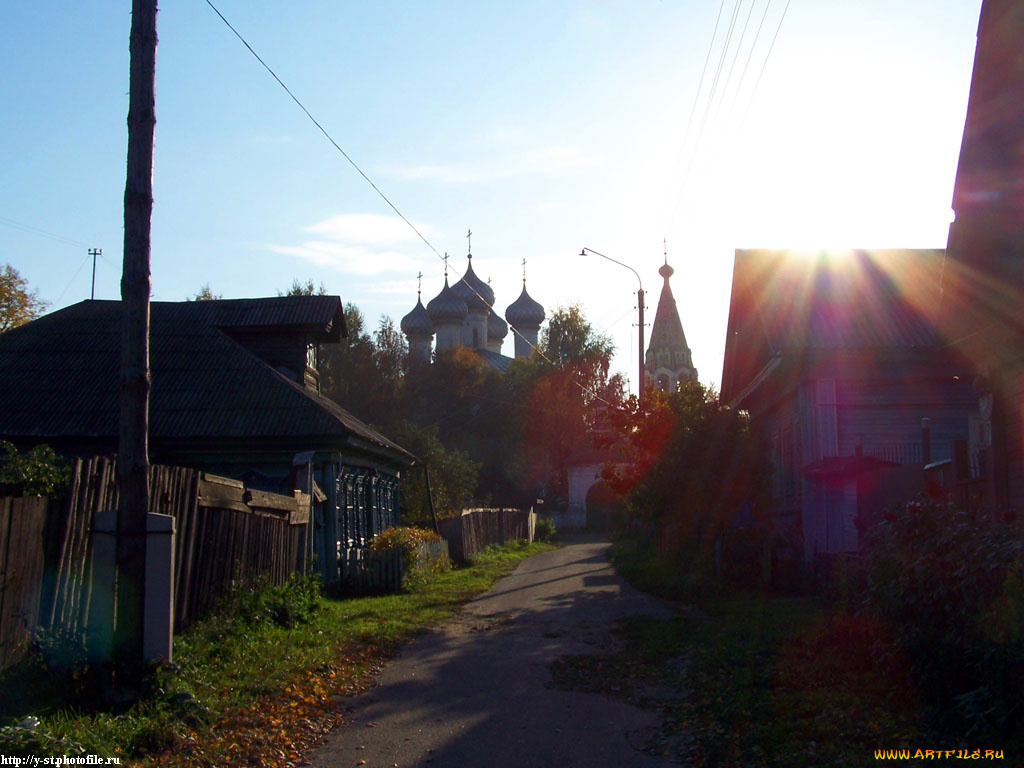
point(525, 346)
point(475, 330)
point(448, 337)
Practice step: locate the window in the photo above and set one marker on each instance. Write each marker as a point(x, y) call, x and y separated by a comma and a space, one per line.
point(828, 434)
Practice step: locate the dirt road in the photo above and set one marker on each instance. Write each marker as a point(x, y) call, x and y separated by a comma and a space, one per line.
point(473, 692)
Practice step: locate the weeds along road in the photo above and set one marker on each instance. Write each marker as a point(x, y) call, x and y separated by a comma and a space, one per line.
point(473, 692)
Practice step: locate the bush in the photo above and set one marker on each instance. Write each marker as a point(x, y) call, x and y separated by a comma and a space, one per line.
point(257, 601)
point(37, 472)
point(544, 529)
point(951, 585)
point(418, 564)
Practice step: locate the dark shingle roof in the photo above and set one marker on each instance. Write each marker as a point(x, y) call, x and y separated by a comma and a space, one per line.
point(59, 374)
point(795, 302)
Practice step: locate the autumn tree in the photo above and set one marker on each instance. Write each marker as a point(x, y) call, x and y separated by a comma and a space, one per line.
point(18, 304)
point(205, 294)
point(693, 463)
point(562, 390)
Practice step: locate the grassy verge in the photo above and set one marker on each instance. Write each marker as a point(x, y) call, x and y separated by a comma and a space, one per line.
point(258, 687)
point(748, 680)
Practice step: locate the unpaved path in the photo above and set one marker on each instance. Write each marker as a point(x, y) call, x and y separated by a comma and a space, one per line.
point(473, 692)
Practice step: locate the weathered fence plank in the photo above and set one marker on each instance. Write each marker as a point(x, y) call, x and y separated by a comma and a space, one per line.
point(23, 521)
point(215, 545)
point(475, 529)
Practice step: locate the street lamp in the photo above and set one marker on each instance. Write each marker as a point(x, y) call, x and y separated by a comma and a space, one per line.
point(640, 306)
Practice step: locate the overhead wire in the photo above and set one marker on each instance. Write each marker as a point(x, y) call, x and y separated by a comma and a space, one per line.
point(707, 107)
point(697, 144)
point(775, 37)
point(536, 349)
point(750, 55)
point(696, 100)
point(41, 232)
point(735, 56)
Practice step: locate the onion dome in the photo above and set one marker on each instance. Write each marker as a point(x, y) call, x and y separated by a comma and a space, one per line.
point(446, 308)
point(665, 270)
point(524, 312)
point(417, 322)
point(477, 294)
point(497, 329)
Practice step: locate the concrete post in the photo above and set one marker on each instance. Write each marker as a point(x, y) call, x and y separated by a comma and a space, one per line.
point(158, 629)
point(99, 629)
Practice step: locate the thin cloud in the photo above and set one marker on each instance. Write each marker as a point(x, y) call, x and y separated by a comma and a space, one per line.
point(358, 244)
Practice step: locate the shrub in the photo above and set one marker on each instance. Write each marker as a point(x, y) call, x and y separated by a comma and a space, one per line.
point(545, 529)
point(37, 472)
point(257, 601)
point(951, 585)
point(419, 565)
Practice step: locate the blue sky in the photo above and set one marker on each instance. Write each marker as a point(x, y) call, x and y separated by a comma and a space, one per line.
point(543, 126)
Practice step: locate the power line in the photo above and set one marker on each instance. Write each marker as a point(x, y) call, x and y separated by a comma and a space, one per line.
point(753, 46)
point(41, 232)
point(767, 56)
point(735, 56)
point(696, 99)
point(369, 181)
point(707, 107)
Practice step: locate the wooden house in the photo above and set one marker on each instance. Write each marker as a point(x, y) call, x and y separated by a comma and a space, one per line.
point(836, 357)
point(983, 287)
point(235, 391)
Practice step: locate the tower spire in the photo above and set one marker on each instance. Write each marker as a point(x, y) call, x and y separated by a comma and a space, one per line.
point(524, 273)
point(469, 240)
point(419, 286)
point(446, 266)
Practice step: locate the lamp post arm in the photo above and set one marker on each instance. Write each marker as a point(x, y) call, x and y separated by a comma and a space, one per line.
point(640, 307)
point(616, 261)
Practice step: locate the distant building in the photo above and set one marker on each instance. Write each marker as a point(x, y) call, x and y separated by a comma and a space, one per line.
point(463, 315)
point(668, 362)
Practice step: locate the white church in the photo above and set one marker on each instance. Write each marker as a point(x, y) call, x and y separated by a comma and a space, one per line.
point(463, 315)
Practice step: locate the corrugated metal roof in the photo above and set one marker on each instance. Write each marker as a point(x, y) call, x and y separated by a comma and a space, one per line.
point(791, 301)
point(59, 375)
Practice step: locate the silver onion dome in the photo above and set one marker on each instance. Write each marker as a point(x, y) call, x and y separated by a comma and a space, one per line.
point(417, 322)
point(524, 312)
point(477, 294)
point(446, 307)
point(497, 329)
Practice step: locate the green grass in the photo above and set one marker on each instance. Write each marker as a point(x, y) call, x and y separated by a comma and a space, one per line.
point(754, 680)
point(247, 676)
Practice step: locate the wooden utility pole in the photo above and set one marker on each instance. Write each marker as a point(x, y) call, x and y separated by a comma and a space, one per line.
point(133, 448)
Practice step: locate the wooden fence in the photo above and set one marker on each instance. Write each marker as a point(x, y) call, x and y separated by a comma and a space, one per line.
point(22, 541)
point(225, 533)
point(474, 529)
point(367, 572)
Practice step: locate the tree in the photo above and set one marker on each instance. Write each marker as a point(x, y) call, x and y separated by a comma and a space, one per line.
point(205, 294)
point(390, 352)
point(692, 464)
point(18, 305)
point(563, 391)
point(350, 373)
point(453, 475)
point(304, 289)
